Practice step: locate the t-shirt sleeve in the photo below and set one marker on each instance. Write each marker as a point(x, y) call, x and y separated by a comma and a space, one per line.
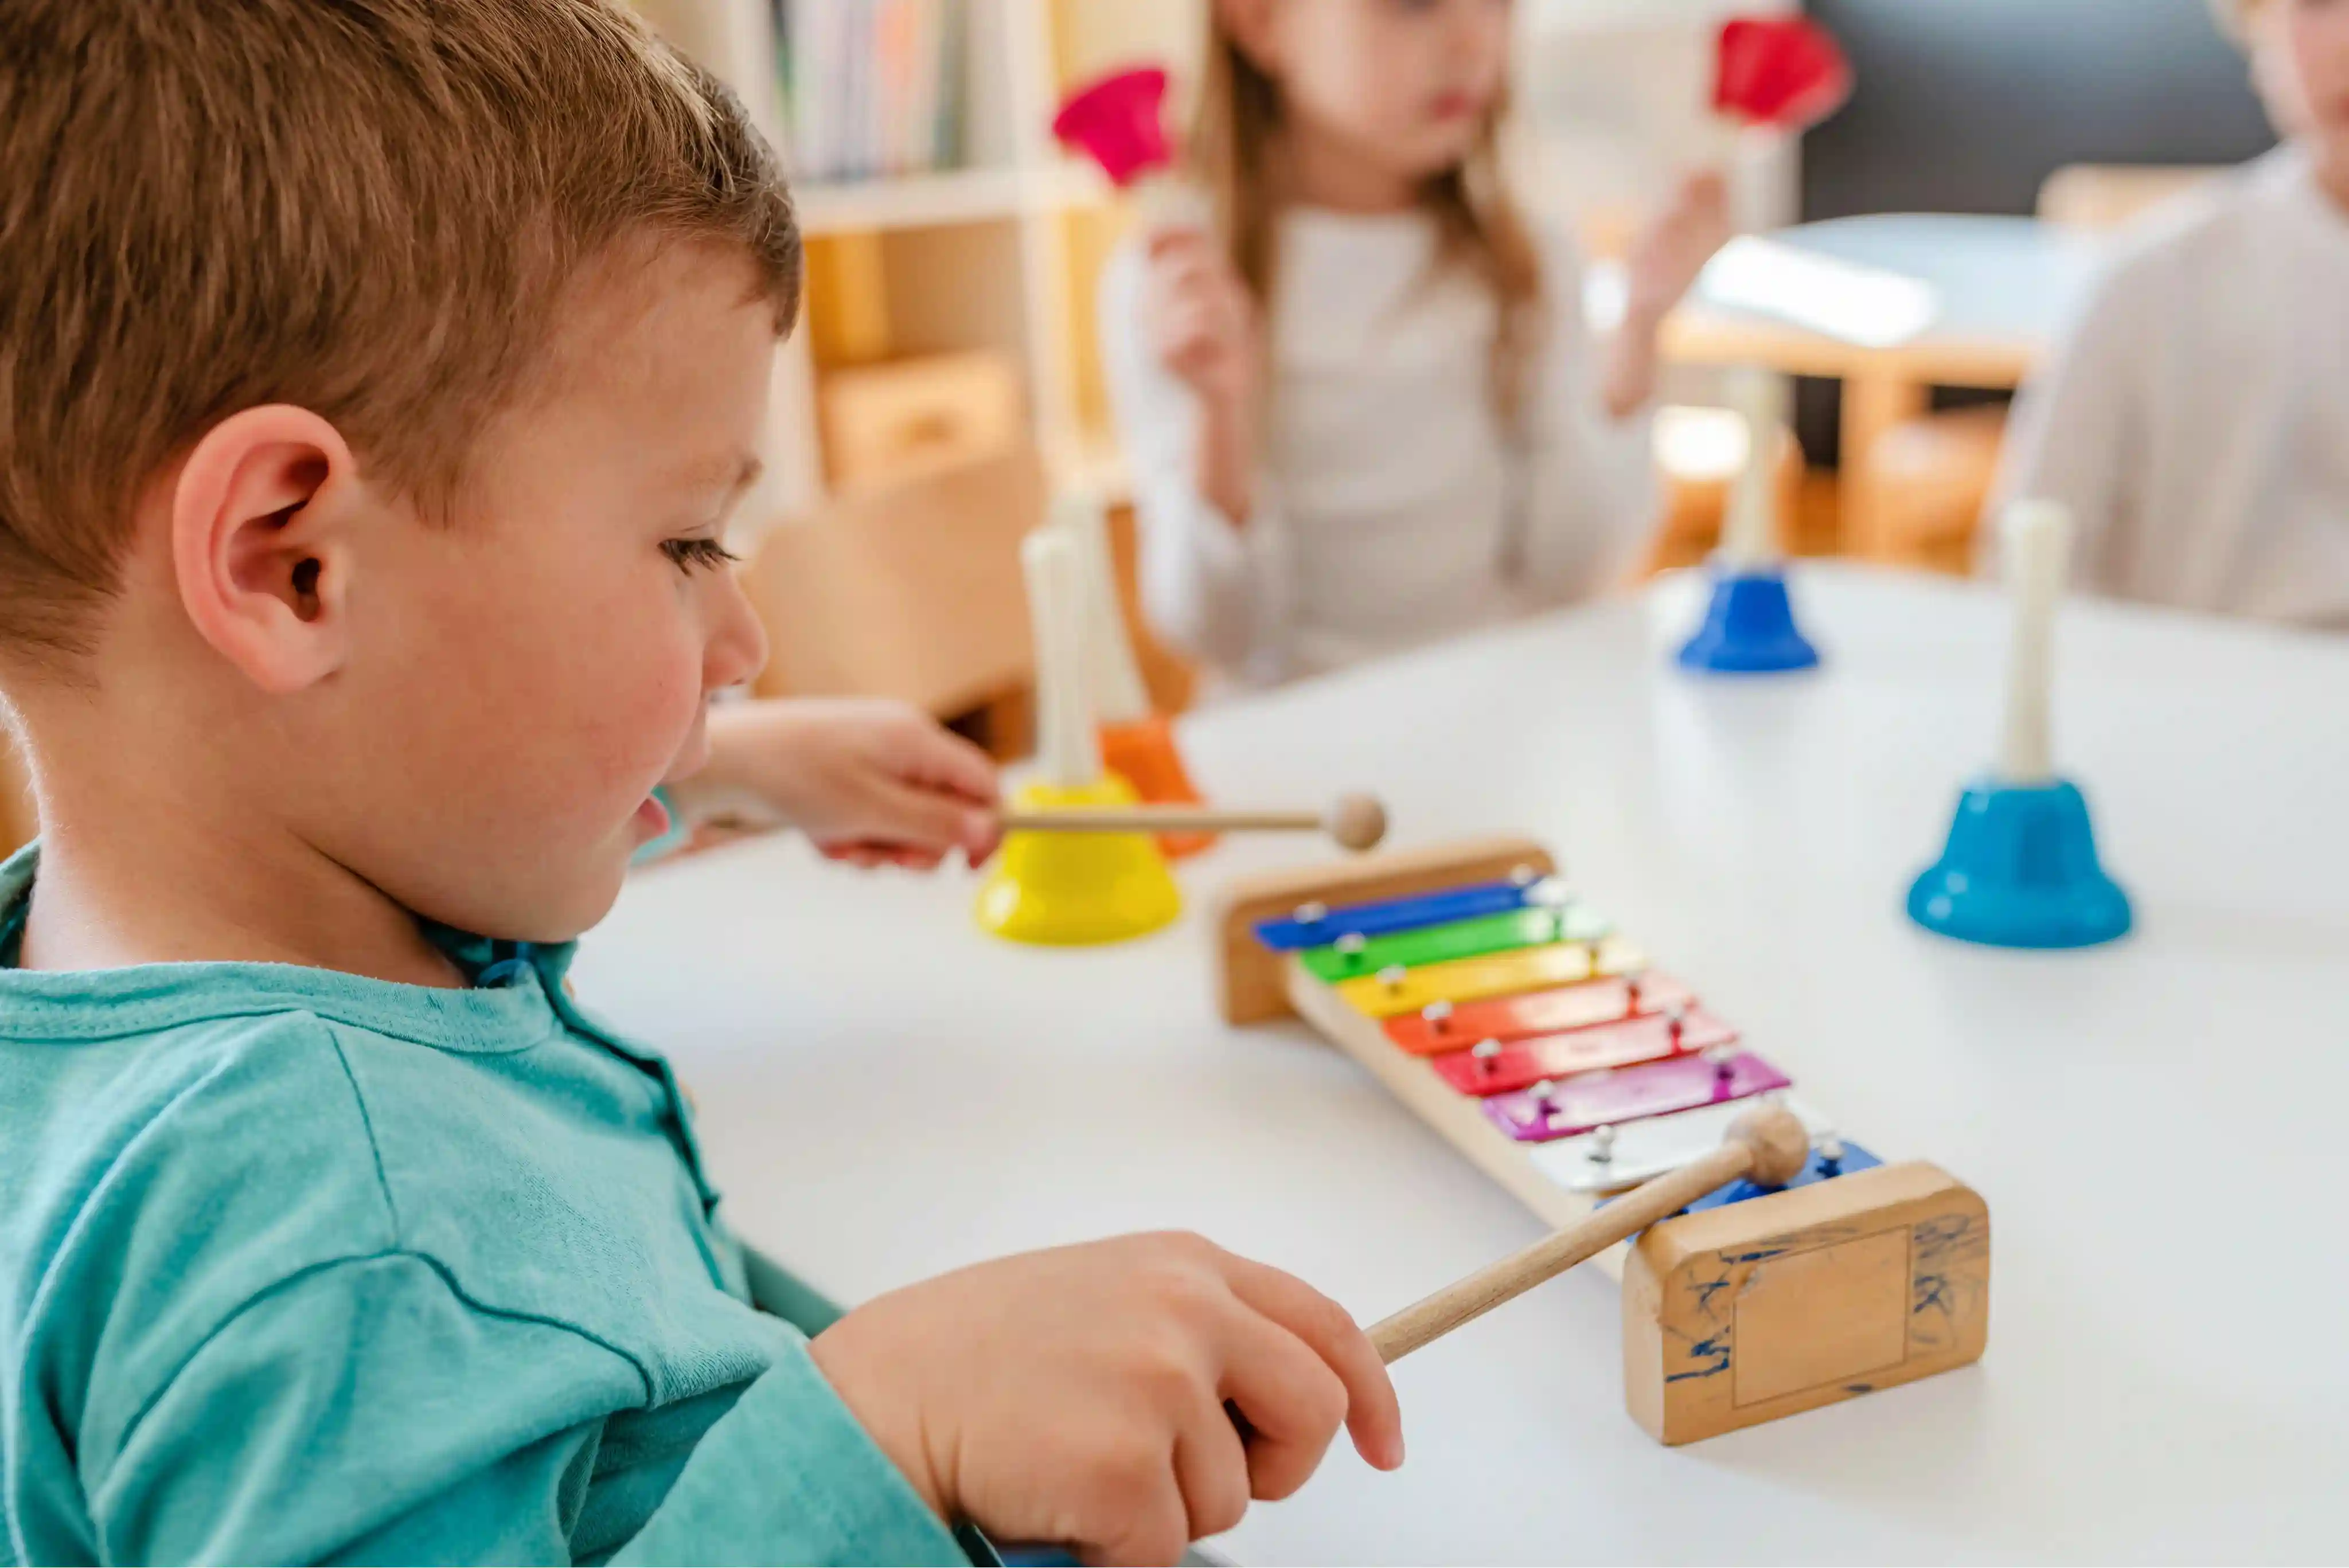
point(366, 1412)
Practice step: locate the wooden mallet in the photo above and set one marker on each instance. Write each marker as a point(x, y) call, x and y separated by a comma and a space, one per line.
point(1767, 1145)
point(1354, 822)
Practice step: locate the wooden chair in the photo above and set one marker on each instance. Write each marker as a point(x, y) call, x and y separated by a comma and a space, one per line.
point(1929, 480)
point(914, 593)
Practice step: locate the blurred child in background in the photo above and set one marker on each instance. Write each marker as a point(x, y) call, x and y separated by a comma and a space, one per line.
point(2197, 419)
point(1363, 411)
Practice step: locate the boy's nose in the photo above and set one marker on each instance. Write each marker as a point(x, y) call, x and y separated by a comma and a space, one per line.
point(737, 642)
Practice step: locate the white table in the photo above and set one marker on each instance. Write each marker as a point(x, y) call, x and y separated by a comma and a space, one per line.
point(2161, 1127)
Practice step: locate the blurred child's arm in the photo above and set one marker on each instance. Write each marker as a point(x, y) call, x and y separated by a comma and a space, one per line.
point(2072, 437)
point(366, 1411)
point(872, 782)
point(1211, 576)
point(1592, 505)
point(1663, 265)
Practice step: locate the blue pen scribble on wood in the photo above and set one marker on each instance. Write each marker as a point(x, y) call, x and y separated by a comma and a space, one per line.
point(1710, 1355)
point(1947, 1252)
point(1756, 1255)
point(1713, 1350)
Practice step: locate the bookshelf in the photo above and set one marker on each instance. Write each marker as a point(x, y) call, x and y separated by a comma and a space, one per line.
point(1001, 252)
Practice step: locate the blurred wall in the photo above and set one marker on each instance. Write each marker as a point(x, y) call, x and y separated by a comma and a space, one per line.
point(1967, 105)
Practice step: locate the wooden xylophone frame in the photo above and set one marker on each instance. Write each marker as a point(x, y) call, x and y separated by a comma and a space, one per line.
point(1732, 1315)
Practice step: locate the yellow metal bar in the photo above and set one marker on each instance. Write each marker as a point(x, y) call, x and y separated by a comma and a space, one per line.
point(1384, 994)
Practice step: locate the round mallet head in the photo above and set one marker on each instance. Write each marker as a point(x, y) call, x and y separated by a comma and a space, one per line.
point(1357, 823)
point(1780, 1148)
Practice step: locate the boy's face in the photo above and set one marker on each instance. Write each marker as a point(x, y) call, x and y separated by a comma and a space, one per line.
point(2301, 56)
point(521, 680)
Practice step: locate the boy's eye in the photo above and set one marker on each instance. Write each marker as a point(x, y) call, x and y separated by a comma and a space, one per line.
point(688, 554)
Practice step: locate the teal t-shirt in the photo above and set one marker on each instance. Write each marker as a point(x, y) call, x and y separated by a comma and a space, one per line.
point(299, 1267)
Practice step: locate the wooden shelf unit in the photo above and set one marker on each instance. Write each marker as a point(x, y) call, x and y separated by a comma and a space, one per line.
point(1001, 254)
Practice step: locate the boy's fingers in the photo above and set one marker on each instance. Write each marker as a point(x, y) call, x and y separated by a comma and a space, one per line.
point(956, 765)
point(1372, 1414)
point(1211, 1467)
point(1149, 1527)
point(1291, 1397)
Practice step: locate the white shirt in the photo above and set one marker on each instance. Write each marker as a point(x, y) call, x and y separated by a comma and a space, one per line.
point(1383, 500)
point(2195, 419)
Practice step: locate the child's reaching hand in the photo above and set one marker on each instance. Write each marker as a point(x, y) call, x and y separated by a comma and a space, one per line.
point(1085, 1397)
point(1204, 321)
point(875, 783)
point(1676, 245)
point(1205, 333)
point(1661, 269)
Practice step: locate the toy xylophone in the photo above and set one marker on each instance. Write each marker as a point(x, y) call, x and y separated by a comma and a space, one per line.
point(1518, 1023)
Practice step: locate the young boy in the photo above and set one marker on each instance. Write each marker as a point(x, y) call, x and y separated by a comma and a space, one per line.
point(376, 380)
point(2197, 420)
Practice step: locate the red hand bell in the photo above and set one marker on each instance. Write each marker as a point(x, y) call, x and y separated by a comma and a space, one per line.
point(1117, 120)
point(1781, 73)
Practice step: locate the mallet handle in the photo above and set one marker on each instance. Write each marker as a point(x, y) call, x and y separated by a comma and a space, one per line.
point(1162, 819)
point(1488, 1288)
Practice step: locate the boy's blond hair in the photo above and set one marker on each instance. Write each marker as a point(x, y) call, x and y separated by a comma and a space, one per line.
point(367, 208)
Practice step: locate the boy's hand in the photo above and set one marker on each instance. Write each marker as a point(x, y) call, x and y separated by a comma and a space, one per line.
point(1079, 1395)
point(877, 783)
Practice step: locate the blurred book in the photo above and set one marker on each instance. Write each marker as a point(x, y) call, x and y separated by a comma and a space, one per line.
point(870, 88)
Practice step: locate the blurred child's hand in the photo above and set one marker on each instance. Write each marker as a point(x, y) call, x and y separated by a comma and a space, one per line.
point(1203, 321)
point(1079, 1396)
point(875, 783)
point(1661, 268)
point(1204, 328)
point(1673, 249)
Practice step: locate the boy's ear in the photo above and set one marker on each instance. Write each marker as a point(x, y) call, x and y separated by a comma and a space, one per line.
point(1249, 25)
point(261, 557)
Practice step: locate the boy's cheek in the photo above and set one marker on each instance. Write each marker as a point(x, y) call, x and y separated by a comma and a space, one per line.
point(640, 719)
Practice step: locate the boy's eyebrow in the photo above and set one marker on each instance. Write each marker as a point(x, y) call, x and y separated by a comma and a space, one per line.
point(734, 476)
